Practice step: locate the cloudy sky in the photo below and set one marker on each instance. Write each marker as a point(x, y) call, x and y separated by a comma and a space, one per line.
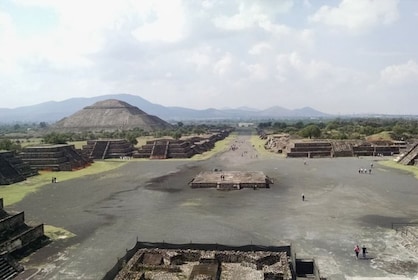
point(339, 57)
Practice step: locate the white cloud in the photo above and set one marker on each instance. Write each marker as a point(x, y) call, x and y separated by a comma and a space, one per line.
point(200, 57)
point(252, 14)
point(260, 48)
point(167, 25)
point(400, 74)
point(223, 65)
point(258, 72)
point(9, 48)
point(358, 16)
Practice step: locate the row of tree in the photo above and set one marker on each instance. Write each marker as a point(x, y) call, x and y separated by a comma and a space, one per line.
point(346, 128)
point(64, 137)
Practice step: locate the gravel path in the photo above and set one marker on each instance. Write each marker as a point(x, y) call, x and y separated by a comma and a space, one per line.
point(151, 201)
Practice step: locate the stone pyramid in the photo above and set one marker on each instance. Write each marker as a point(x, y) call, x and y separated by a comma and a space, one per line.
point(110, 115)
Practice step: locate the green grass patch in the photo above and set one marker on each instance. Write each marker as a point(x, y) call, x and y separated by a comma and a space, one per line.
point(393, 164)
point(258, 144)
point(382, 136)
point(220, 146)
point(56, 233)
point(78, 144)
point(16, 192)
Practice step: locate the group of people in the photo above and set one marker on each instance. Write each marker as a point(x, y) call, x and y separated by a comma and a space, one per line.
point(363, 250)
point(364, 170)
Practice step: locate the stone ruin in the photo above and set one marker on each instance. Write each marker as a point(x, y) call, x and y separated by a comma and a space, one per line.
point(410, 157)
point(183, 148)
point(13, 169)
point(328, 148)
point(110, 148)
point(110, 115)
point(231, 180)
point(60, 157)
point(194, 264)
point(16, 238)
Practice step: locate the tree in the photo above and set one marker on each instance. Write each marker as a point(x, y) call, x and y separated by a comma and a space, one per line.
point(7, 144)
point(310, 131)
point(55, 138)
point(176, 135)
point(131, 138)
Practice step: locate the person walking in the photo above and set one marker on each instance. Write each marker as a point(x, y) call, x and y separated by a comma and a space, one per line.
point(303, 197)
point(357, 250)
point(364, 250)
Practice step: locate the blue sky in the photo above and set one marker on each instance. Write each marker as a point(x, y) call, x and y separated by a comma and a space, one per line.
point(339, 57)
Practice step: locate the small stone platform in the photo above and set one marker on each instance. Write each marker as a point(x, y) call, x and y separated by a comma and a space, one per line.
point(230, 180)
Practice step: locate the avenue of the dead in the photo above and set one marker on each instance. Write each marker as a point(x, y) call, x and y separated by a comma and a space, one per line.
point(150, 200)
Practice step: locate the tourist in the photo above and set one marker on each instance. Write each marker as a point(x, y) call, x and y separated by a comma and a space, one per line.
point(364, 251)
point(303, 197)
point(357, 250)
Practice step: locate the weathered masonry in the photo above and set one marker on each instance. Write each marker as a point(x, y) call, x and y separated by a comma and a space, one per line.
point(183, 148)
point(15, 237)
point(63, 157)
point(110, 148)
point(13, 169)
point(229, 180)
point(206, 261)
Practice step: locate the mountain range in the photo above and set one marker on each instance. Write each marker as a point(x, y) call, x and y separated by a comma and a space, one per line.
point(53, 111)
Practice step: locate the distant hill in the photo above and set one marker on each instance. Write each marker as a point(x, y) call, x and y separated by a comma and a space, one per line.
point(54, 111)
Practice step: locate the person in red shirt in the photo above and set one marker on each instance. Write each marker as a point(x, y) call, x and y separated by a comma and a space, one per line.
point(357, 250)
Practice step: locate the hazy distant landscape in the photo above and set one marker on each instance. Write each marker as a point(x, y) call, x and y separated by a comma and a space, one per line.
point(53, 111)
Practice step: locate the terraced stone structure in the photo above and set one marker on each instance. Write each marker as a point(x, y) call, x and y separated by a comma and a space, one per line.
point(16, 237)
point(184, 148)
point(231, 180)
point(194, 264)
point(330, 148)
point(110, 115)
point(60, 157)
point(410, 157)
point(110, 148)
point(13, 169)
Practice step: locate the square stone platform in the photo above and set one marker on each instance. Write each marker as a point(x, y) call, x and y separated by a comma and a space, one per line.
point(228, 180)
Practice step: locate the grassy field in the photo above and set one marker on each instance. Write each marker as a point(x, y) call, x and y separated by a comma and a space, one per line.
point(16, 192)
point(56, 233)
point(258, 144)
point(220, 146)
point(409, 168)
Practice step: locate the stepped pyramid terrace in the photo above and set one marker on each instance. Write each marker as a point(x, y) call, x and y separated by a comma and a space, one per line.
point(13, 169)
point(16, 237)
point(60, 157)
point(182, 148)
point(110, 115)
point(410, 157)
point(107, 148)
point(296, 148)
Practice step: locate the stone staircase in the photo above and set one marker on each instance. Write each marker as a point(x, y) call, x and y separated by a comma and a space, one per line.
point(410, 156)
point(9, 174)
point(160, 150)
point(16, 237)
point(7, 269)
point(99, 150)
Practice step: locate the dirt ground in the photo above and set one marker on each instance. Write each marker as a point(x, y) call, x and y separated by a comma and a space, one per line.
point(151, 201)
